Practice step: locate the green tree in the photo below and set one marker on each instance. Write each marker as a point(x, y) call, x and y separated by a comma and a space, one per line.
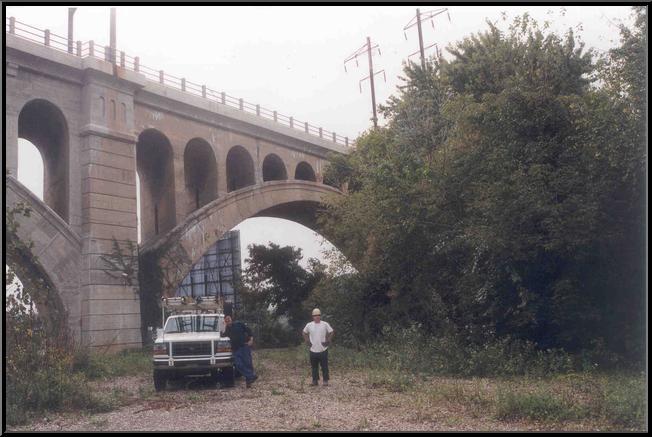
point(275, 279)
point(494, 201)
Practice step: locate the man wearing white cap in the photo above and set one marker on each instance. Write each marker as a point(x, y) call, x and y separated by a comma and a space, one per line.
point(318, 335)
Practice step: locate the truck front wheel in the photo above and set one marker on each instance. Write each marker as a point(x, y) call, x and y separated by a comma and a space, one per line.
point(160, 380)
point(228, 379)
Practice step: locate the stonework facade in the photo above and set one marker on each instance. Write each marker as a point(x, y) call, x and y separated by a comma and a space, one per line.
point(103, 131)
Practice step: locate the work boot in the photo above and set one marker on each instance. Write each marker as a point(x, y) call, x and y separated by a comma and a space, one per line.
point(315, 383)
point(251, 381)
point(325, 384)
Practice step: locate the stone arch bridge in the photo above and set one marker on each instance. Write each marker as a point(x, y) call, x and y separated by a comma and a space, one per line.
point(202, 166)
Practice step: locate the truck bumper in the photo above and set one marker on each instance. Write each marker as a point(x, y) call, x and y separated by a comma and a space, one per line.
point(191, 365)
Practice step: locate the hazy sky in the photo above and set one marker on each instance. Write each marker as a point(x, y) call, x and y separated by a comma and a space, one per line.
point(290, 58)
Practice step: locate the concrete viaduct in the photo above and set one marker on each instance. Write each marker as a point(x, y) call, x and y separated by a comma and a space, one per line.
point(203, 166)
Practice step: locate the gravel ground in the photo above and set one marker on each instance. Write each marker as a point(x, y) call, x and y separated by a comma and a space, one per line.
point(281, 400)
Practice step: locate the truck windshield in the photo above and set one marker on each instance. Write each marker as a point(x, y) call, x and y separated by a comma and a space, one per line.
point(192, 324)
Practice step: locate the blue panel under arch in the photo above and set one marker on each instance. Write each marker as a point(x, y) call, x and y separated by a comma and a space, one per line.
point(216, 272)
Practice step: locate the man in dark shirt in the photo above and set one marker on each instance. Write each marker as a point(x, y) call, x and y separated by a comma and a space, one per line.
point(241, 341)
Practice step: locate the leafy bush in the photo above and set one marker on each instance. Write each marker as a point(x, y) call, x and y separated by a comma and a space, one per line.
point(493, 200)
point(409, 349)
point(270, 333)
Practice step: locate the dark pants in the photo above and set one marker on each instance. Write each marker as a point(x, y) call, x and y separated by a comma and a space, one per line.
point(317, 359)
point(243, 362)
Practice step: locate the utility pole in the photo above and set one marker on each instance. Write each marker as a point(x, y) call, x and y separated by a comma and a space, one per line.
point(371, 80)
point(71, 13)
point(419, 18)
point(112, 44)
point(423, 56)
point(368, 48)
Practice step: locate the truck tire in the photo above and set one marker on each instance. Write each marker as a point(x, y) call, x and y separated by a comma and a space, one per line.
point(228, 374)
point(216, 377)
point(160, 380)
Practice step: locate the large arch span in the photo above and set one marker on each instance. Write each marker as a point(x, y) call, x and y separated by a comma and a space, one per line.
point(57, 249)
point(177, 251)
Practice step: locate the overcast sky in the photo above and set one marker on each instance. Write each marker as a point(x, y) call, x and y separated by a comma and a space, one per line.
point(290, 58)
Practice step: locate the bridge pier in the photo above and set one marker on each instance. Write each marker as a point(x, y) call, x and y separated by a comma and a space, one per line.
point(110, 302)
point(11, 142)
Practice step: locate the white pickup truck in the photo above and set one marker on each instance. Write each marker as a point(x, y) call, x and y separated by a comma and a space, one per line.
point(190, 344)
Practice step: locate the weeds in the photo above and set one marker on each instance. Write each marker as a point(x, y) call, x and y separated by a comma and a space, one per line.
point(99, 422)
point(98, 366)
point(616, 400)
point(621, 401)
point(364, 424)
point(195, 397)
point(514, 405)
point(396, 382)
point(62, 383)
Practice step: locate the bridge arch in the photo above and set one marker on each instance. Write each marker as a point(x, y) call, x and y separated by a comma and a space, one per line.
point(304, 172)
point(274, 168)
point(200, 173)
point(176, 252)
point(43, 124)
point(155, 167)
point(54, 259)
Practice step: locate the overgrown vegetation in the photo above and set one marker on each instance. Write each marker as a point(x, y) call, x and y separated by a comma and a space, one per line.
point(496, 226)
point(613, 400)
point(102, 366)
point(273, 289)
point(498, 217)
point(45, 369)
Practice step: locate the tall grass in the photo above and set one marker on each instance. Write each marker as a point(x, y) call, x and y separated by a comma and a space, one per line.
point(522, 384)
point(407, 349)
point(62, 382)
point(95, 365)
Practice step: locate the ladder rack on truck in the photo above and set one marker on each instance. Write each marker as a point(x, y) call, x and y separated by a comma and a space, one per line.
point(188, 305)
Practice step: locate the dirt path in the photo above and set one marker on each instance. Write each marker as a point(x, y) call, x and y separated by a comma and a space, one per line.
point(281, 399)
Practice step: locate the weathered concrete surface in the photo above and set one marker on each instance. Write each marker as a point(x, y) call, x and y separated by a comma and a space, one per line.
point(205, 226)
point(104, 110)
point(56, 246)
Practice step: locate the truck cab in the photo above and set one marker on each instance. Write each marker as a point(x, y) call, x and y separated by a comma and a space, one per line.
point(190, 343)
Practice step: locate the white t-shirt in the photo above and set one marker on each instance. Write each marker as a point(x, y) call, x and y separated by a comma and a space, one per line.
point(317, 333)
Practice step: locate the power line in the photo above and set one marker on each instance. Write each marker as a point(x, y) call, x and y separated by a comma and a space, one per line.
point(368, 48)
point(418, 19)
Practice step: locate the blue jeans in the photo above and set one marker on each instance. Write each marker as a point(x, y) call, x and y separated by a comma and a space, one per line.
point(243, 362)
point(319, 359)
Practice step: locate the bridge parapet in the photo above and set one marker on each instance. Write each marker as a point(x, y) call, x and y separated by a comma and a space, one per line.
point(159, 82)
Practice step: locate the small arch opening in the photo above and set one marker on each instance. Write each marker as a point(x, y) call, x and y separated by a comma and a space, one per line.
point(305, 172)
point(154, 162)
point(274, 169)
point(240, 171)
point(42, 124)
point(200, 171)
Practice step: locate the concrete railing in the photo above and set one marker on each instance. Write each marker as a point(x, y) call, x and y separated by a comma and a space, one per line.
point(123, 60)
